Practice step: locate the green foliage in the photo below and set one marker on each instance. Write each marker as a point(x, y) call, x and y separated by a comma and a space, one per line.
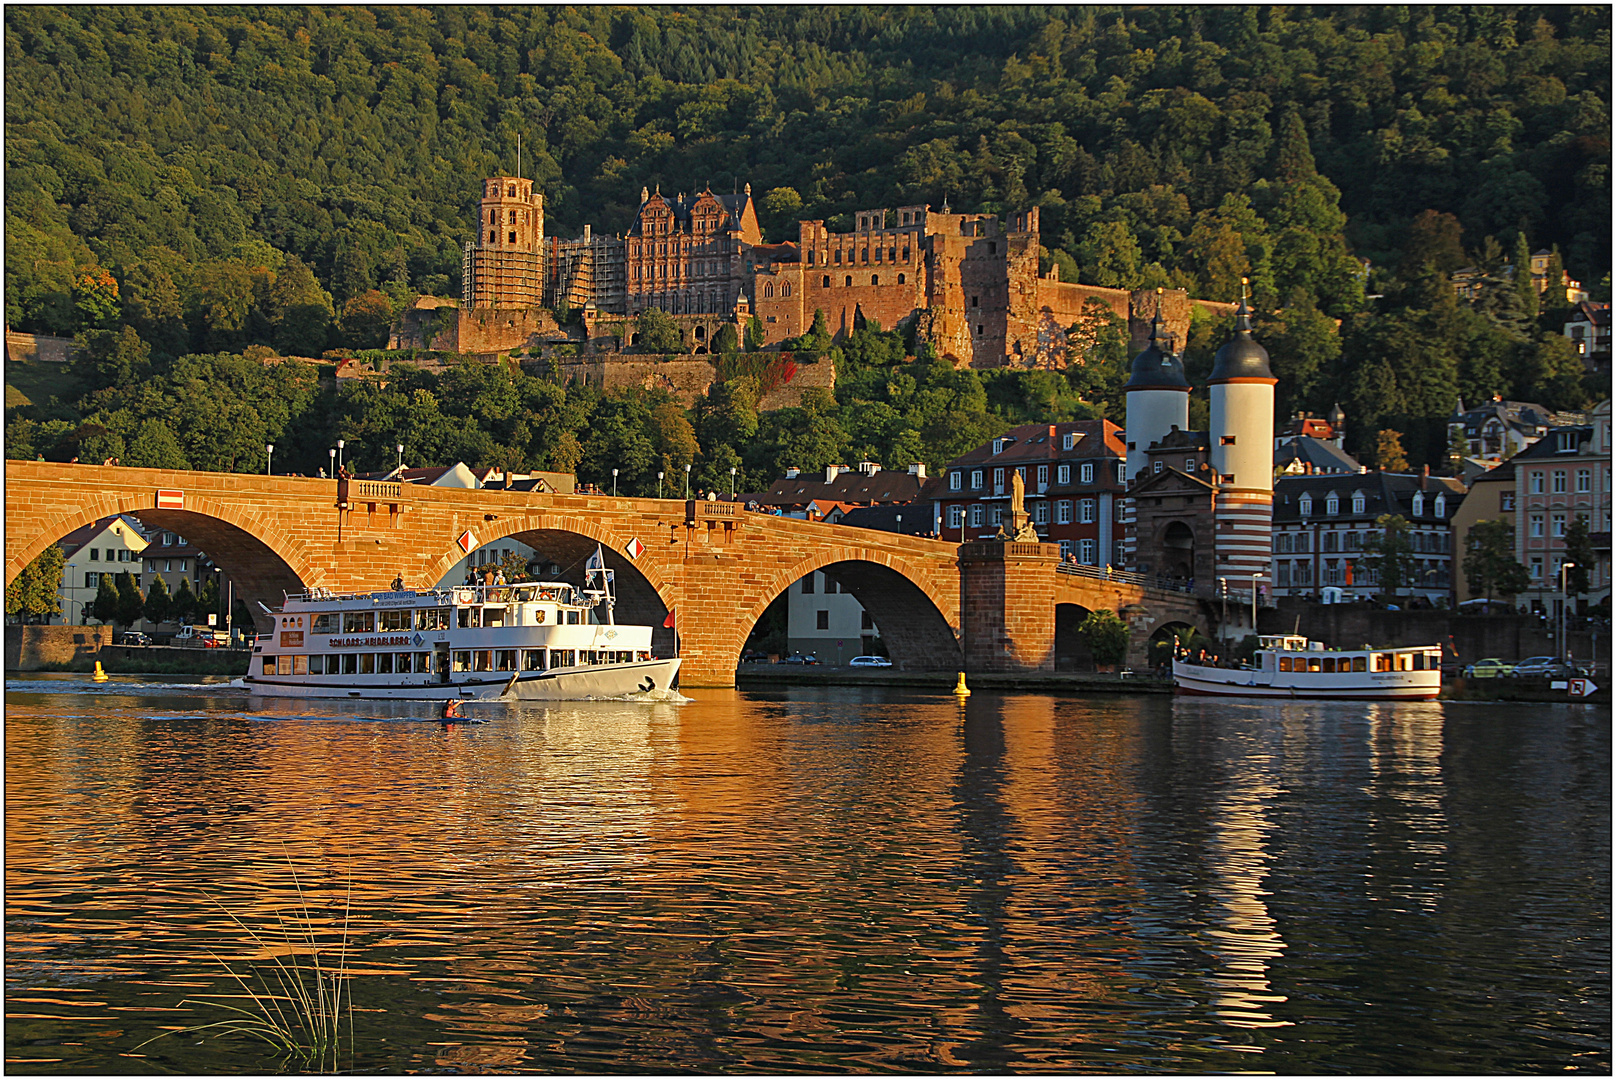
point(159, 607)
point(1579, 552)
point(1489, 562)
point(183, 607)
point(104, 608)
point(1389, 553)
point(754, 334)
point(36, 591)
point(131, 601)
point(658, 332)
point(726, 340)
point(1106, 635)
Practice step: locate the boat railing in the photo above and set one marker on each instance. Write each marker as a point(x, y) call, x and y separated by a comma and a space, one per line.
point(562, 592)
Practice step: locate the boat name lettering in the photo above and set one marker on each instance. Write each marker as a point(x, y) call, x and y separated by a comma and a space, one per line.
point(361, 642)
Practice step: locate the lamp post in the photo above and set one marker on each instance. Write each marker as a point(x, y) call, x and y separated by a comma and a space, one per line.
point(687, 482)
point(1253, 603)
point(1564, 603)
point(401, 460)
point(659, 475)
point(333, 453)
point(614, 483)
point(340, 444)
point(732, 483)
point(269, 452)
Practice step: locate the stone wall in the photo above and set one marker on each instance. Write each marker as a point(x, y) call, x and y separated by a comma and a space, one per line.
point(686, 378)
point(29, 648)
point(31, 348)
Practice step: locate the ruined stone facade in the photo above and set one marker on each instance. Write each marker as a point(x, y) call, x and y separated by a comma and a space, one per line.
point(970, 283)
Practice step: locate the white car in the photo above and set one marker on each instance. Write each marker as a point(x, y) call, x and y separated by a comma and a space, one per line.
point(869, 661)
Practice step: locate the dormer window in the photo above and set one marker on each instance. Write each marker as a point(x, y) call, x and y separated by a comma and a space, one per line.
point(1332, 504)
point(1440, 507)
point(1358, 503)
point(998, 445)
point(976, 478)
point(1068, 440)
point(1305, 505)
point(1567, 442)
point(1086, 472)
point(1419, 504)
point(954, 480)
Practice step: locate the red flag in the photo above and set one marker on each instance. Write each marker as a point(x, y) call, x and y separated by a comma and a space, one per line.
point(669, 620)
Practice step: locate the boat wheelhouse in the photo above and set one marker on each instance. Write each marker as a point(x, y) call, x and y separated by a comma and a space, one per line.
point(1288, 665)
point(532, 640)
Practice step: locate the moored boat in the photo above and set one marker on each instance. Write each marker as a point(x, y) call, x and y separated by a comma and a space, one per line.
point(1290, 666)
point(526, 641)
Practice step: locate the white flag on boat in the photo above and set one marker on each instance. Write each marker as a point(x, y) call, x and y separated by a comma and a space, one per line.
point(596, 563)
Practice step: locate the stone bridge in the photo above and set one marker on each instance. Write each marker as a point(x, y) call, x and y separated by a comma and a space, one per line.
point(982, 606)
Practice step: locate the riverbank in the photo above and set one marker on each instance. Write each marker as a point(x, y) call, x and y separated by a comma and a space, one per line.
point(153, 660)
point(764, 676)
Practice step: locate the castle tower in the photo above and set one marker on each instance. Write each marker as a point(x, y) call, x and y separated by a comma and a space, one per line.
point(504, 267)
point(1241, 448)
point(1158, 401)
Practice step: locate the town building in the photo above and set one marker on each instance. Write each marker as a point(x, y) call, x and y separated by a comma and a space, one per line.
point(1491, 497)
point(1321, 525)
point(825, 621)
point(1497, 430)
point(1562, 477)
point(838, 485)
point(106, 547)
point(1072, 475)
point(173, 558)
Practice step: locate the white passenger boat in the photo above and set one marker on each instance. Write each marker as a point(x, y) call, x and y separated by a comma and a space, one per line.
point(527, 641)
point(1289, 666)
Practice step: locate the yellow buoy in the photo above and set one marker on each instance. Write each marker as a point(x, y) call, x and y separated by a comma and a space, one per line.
point(960, 689)
point(99, 676)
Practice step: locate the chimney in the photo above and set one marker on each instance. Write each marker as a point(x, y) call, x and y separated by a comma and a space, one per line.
point(918, 469)
point(1307, 468)
point(1425, 476)
point(586, 234)
point(869, 468)
point(792, 472)
point(833, 471)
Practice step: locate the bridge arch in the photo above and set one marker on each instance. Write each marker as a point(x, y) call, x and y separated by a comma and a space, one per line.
point(1071, 652)
point(914, 626)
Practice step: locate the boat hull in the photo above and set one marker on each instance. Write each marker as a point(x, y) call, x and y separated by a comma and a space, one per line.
point(1193, 679)
point(561, 684)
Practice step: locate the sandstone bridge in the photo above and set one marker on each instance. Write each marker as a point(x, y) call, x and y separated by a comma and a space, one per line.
point(981, 606)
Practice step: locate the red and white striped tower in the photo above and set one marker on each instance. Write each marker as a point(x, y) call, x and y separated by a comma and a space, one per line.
point(1241, 438)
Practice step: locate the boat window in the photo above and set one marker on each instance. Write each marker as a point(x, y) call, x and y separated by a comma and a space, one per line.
point(350, 664)
point(505, 660)
point(494, 616)
point(1359, 663)
point(367, 663)
point(462, 660)
point(300, 665)
point(1419, 661)
point(469, 617)
point(1313, 663)
point(323, 624)
point(432, 619)
point(1284, 663)
point(482, 660)
point(401, 663)
point(384, 663)
point(395, 620)
point(358, 622)
point(572, 618)
point(317, 665)
point(561, 657)
point(1329, 664)
point(423, 661)
point(1434, 660)
point(532, 659)
point(269, 665)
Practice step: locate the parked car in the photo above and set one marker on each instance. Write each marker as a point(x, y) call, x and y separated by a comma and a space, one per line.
point(133, 637)
point(201, 637)
point(1488, 669)
point(800, 658)
point(1539, 666)
point(753, 656)
point(869, 661)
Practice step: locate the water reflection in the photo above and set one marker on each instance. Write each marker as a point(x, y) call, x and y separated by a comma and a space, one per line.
point(817, 882)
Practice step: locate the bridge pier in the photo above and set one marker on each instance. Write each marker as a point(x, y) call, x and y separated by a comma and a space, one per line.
point(1007, 610)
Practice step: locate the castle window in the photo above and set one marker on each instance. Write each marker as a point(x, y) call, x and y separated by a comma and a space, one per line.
point(838, 256)
point(768, 290)
point(1227, 440)
point(978, 329)
point(811, 255)
point(849, 280)
point(993, 249)
point(875, 279)
point(974, 302)
point(513, 236)
point(512, 191)
point(493, 217)
point(877, 254)
point(513, 217)
point(900, 279)
point(865, 255)
point(905, 254)
point(825, 282)
point(493, 237)
point(785, 290)
point(892, 254)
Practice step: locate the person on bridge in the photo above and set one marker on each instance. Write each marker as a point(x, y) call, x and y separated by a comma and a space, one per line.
point(398, 583)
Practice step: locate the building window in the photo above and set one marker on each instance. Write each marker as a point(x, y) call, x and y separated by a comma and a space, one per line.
point(825, 282)
point(1537, 483)
point(513, 217)
point(1227, 440)
point(996, 517)
point(976, 479)
point(807, 584)
point(1536, 567)
point(1536, 522)
point(1418, 507)
point(1332, 503)
point(92, 580)
point(1559, 481)
point(1068, 440)
point(1557, 524)
point(976, 515)
point(1086, 472)
point(1189, 465)
point(1063, 474)
point(513, 236)
point(1085, 552)
point(998, 481)
point(1063, 512)
point(956, 517)
point(1085, 510)
point(1585, 480)
point(1040, 513)
point(1440, 507)
point(1065, 550)
point(1043, 476)
point(1122, 472)
point(1506, 500)
point(95, 554)
point(1156, 466)
point(954, 480)
point(821, 620)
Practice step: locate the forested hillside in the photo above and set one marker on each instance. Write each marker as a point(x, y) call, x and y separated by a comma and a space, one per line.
point(214, 178)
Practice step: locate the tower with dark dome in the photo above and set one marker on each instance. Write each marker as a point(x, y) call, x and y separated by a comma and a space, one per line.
point(1158, 397)
point(1240, 445)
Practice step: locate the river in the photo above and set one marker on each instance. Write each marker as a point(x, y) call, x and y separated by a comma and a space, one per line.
point(811, 881)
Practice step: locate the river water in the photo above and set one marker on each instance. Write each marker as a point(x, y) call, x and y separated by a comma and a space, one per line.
point(814, 881)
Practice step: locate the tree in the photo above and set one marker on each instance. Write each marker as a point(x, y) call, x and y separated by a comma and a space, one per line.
point(1525, 292)
point(95, 296)
point(159, 601)
point(36, 592)
point(1579, 551)
point(1390, 554)
point(754, 334)
point(131, 601)
point(1107, 637)
point(182, 608)
point(726, 340)
point(658, 332)
point(1389, 455)
point(104, 608)
point(366, 319)
point(1489, 563)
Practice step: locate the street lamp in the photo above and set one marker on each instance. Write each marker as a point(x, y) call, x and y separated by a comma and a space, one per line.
point(1565, 602)
point(614, 483)
point(269, 451)
point(659, 483)
point(732, 483)
point(687, 482)
point(333, 453)
point(401, 460)
point(1253, 603)
point(340, 445)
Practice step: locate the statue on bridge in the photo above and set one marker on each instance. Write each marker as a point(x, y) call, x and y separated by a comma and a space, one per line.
point(1021, 530)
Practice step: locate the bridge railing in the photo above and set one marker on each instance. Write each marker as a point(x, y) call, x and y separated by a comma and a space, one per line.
point(1106, 573)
